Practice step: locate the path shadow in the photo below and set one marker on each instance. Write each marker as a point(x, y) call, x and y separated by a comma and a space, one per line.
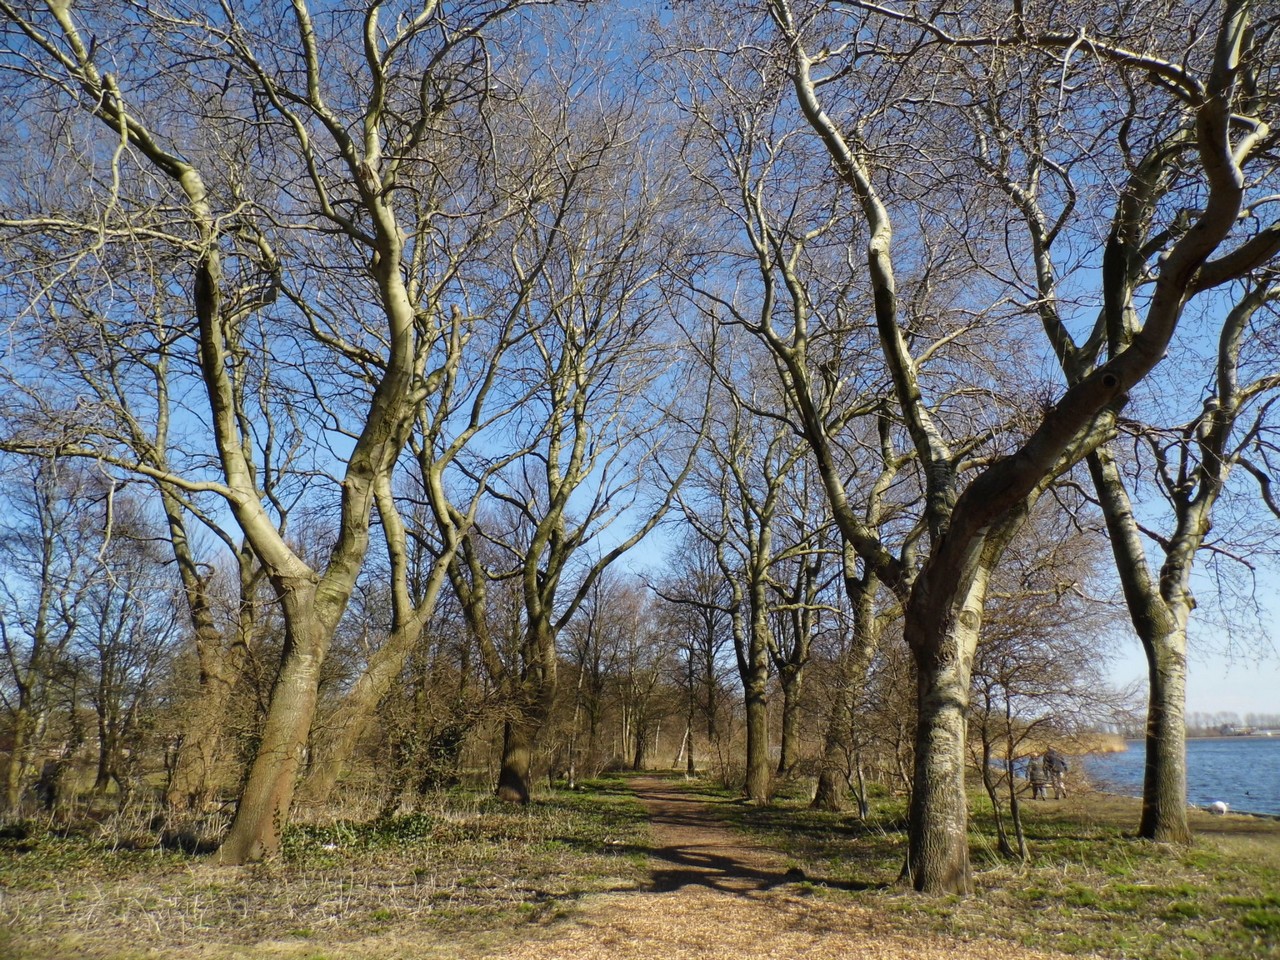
point(714, 864)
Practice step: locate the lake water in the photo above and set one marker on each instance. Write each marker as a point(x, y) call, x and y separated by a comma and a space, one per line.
point(1242, 771)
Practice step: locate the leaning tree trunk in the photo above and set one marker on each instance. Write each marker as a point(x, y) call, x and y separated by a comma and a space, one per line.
point(264, 803)
point(1164, 788)
point(332, 750)
point(992, 787)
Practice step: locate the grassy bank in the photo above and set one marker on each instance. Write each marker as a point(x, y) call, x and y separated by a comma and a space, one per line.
point(466, 867)
point(1088, 888)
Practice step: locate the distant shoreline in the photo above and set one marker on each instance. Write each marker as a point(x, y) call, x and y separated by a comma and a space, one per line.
point(1206, 736)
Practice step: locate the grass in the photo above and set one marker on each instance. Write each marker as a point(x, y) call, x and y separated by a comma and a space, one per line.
point(1090, 887)
point(469, 863)
point(472, 871)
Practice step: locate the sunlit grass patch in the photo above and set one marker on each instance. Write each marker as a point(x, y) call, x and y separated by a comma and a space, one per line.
point(1088, 887)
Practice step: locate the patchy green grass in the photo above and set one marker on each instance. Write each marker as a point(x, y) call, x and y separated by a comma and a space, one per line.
point(1089, 887)
point(469, 863)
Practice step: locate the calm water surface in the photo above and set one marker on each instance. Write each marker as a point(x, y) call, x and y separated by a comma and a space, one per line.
point(1243, 771)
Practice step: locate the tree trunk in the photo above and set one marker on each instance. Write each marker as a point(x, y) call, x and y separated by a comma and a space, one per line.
point(938, 853)
point(832, 779)
point(757, 707)
point(942, 630)
point(332, 749)
point(641, 752)
point(831, 789)
point(791, 683)
point(200, 749)
point(515, 778)
point(997, 809)
point(1160, 623)
point(1164, 787)
point(1015, 809)
point(106, 753)
point(19, 757)
point(220, 659)
point(264, 803)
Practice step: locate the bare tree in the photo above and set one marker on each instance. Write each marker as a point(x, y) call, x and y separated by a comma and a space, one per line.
point(1193, 466)
point(127, 639)
point(700, 625)
point(593, 455)
point(737, 500)
point(305, 173)
point(49, 545)
point(937, 264)
point(1040, 669)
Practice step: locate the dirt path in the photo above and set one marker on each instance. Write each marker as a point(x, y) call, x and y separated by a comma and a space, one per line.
point(712, 895)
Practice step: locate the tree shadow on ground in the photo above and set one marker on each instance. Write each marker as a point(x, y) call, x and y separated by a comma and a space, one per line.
point(681, 867)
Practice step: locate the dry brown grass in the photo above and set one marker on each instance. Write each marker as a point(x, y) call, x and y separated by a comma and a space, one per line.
point(464, 868)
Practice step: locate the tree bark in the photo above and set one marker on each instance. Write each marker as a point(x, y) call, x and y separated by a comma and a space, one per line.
point(791, 683)
point(938, 851)
point(19, 757)
point(830, 792)
point(268, 793)
point(757, 784)
point(1164, 785)
point(332, 750)
point(942, 630)
point(515, 778)
point(1163, 635)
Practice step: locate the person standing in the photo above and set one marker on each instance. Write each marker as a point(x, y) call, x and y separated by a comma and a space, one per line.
point(1055, 765)
point(1037, 776)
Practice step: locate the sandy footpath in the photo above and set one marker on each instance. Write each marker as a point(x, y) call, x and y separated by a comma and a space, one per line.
point(712, 895)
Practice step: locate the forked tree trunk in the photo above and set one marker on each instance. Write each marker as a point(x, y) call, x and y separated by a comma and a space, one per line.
point(332, 748)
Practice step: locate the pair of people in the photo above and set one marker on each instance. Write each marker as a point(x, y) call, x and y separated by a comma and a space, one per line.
point(1049, 769)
